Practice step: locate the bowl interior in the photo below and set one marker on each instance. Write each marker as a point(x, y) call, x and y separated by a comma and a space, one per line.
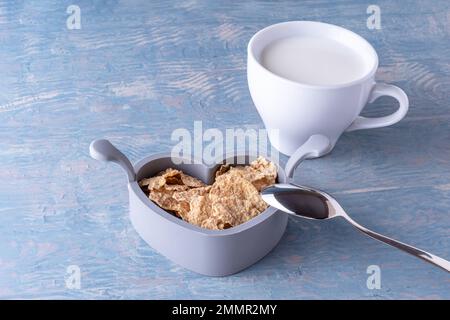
point(152, 165)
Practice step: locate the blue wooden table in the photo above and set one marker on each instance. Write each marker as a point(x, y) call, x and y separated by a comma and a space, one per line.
point(134, 71)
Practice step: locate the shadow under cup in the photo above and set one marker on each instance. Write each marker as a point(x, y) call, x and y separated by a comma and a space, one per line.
point(293, 111)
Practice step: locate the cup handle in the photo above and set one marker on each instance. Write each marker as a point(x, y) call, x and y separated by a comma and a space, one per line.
point(382, 89)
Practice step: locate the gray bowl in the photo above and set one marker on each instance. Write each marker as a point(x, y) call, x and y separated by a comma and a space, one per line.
point(208, 252)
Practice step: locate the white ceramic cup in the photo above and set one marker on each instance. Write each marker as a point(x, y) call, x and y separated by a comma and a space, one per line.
point(293, 112)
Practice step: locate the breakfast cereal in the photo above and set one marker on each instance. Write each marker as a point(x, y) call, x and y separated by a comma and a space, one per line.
point(230, 201)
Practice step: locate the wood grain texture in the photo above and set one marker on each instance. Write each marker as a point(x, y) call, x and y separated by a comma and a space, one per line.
point(136, 71)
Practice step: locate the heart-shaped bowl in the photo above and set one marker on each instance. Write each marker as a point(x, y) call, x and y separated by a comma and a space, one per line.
point(208, 252)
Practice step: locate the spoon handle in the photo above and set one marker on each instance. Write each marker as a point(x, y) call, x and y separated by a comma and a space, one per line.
point(428, 257)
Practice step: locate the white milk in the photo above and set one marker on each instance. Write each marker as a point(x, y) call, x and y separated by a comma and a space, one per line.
point(313, 61)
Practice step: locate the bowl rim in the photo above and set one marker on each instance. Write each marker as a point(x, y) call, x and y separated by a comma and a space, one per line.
point(136, 189)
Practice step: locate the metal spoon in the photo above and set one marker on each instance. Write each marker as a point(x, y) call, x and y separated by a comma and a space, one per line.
point(308, 203)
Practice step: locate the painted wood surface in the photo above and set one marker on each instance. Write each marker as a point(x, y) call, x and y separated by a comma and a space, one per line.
point(137, 70)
